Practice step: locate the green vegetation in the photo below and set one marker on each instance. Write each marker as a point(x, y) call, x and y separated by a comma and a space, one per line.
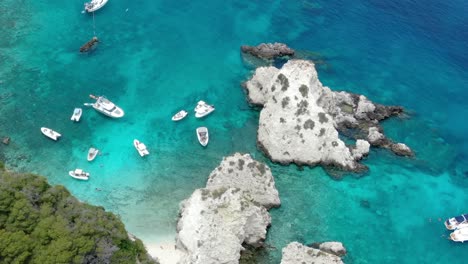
point(44, 224)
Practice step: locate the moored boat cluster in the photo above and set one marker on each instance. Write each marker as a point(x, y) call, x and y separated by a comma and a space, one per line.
point(108, 108)
point(459, 225)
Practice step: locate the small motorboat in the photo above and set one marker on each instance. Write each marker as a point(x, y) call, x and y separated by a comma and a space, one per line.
point(203, 109)
point(88, 46)
point(79, 174)
point(140, 147)
point(203, 136)
point(454, 222)
point(106, 107)
point(94, 5)
point(50, 133)
point(180, 115)
point(76, 114)
point(460, 234)
point(92, 153)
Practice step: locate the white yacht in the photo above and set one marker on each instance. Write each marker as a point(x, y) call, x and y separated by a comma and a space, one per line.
point(140, 147)
point(76, 114)
point(79, 174)
point(203, 136)
point(180, 115)
point(106, 107)
point(203, 109)
point(94, 5)
point(460, 234)
point(92, 153)
point(50, 133)
point(454, 222)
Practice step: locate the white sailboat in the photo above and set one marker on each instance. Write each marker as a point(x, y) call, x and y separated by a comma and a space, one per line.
point(94, 5)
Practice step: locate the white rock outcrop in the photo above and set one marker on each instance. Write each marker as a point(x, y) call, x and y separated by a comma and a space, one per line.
point(296, 253)
point(232, 210)
point(300, 119)
point(333, 247)
point(243, 172)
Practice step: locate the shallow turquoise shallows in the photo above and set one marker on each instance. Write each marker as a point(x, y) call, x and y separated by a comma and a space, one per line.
point(157, 57)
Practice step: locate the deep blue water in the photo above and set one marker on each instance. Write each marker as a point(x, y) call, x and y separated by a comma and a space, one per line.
point(160, 56)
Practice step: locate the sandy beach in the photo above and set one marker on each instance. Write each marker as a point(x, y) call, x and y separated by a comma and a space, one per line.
point(165, 252)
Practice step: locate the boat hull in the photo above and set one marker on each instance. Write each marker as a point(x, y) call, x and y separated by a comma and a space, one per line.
point(92, 153)
point(138, 146)
point(179, 116)
point(79, 177)
point(96, 7)
point(76, 114)
point(203, 136)
point(50, 133)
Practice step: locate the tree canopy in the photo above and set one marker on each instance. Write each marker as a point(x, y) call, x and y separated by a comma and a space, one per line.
point(44, 224)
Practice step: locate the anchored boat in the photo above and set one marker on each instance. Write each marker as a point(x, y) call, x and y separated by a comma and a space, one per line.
point(92, 153)
point(140, 147)
point(79, 174)
point(106, 107)
point(180, 115)
point(203, 109)
point(454, 222)
point(50, 133)
point(76, 114)
point(94, 5)
point(203, 136)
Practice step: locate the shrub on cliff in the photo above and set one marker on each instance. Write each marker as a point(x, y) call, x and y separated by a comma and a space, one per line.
point(44, 224)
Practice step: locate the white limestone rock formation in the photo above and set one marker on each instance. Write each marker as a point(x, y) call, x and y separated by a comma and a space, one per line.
point(296, 253)
point(300, 119)
point(215, 223)
point(333, 247)
point(231, 211)
point(243, 172)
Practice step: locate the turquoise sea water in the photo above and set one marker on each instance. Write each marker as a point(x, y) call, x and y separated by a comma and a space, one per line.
point(160, 56)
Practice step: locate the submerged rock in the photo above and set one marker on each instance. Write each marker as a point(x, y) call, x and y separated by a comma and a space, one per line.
point(296, 253)
point(6, 140)
point(268, 51)
point(231, 211)
point(301, 118)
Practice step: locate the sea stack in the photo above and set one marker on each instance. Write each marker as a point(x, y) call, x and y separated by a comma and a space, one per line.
point(232, 210)
point(300, 119)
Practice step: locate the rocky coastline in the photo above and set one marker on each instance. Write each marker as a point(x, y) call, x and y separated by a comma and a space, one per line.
point(301, 120)
point(216, 221)
point(326, 253)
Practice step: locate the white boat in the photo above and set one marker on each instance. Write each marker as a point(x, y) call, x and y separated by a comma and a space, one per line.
point(76, 114)
point(454, 222)
point(203, 109)
point(140, 147)
point(94, 5)
point(460, 234)
point(106, 107)
point(92, 153)
point(79, 174)
point(50, 133)
point(180, 115)
point(203, 136)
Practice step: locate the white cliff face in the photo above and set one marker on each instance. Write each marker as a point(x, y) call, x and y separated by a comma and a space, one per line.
point(296, 253)
point(215, 221)
point(300, 119)
point(243, 172)
point(293, 128)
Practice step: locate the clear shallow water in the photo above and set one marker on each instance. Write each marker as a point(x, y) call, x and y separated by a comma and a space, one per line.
point(161, 56)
